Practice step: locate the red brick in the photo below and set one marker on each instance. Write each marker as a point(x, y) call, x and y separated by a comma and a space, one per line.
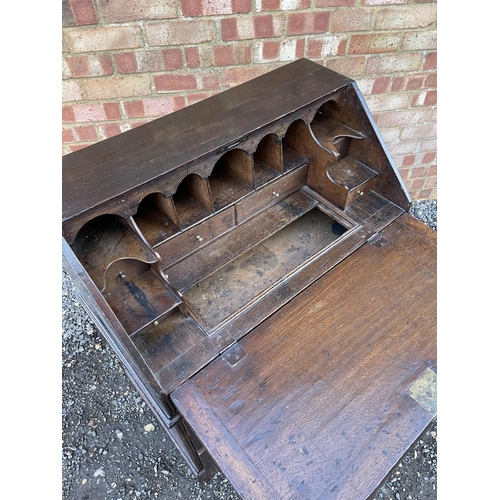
point(108, 130)
point(347, 20)
point(404, 173)
point(247, 27)
point(192, 98)
point(235, 76)
point(300, 48)
point(78, 66)
point(405, 17)
point(210, 8)
point(431, 61)
point(432, 170)
point(419, 40)
point(209, 81)
point(308, 22)
point(125, 62)
point(112, 111)
point(71, 91)
point(374, 43)
point(418, 172)
point(105, 38)
point(430, 182)
point(387, 102)
point(89, 112)
point(380, 85)
point(192, 57)
point(429, 157)
point(172, 58)
point(117, 11)
point(271, 50)
point(168, 83)
point(424, 194)
point(408, 160)
point(137, 123)
point(431, 80)
point(86, 133)
point(394, 63)
point(326, 46)
point(270, 5)
point(134, 109)
point(86, 66)
point(84, 11)
point(230, 29)
point(159, 106)
point(183, 32)
point(414, 83)
point(384, 2)
point(417, 184)
point(334, 3)
point(263, 26)
point(67, 135)
point(76, 147)
point(121, 86)
point(241, 6)
point(397, 83)
point(430, 98)
point(418, 131)
point(348, 66)
point(404, 117)
point(68, 115)
point(231, 55)
point(151, 61)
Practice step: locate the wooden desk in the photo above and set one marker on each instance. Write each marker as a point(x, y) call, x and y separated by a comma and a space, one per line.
point(314, 402)
point(250, 261)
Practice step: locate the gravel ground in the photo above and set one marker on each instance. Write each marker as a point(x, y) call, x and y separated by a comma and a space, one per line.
point(113, 448)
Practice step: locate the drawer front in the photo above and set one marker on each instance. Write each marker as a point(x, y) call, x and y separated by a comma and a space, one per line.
point(270, 194)
point(190, 241)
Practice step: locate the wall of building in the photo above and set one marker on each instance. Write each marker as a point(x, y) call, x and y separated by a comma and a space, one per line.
point(128, 62)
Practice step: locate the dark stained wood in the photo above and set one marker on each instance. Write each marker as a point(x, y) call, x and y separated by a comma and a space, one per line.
point(106, 240)
point(232, 287)
point(335, 432)
point(142, 300)
point(249, 260)
point(196, 238)
point(270, 194)
point(157, 218)
point(194, 268)
point(199, 128)
point(270, 151)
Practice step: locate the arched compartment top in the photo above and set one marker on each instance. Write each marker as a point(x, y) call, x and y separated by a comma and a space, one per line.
point(107, 239)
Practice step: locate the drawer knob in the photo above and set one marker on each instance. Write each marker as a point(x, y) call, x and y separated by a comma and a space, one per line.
point(199, 238)
point(275, 194)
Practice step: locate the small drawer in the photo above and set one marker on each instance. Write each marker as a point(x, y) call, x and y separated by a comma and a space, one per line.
point(270, 194)
point(190, 241)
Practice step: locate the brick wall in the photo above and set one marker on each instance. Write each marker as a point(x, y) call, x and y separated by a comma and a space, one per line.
point(128, 62)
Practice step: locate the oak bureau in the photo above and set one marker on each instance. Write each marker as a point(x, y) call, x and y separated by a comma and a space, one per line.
point(251, 261)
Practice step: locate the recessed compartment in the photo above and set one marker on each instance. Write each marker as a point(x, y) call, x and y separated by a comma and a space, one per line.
point(250, 275)
point(192, 201)
point(106, 239)
point(231, 178)
point(156, 218)
point(137, 295)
